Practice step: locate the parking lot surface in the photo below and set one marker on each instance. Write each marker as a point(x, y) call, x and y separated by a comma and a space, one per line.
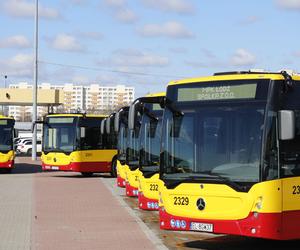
point(58, 210)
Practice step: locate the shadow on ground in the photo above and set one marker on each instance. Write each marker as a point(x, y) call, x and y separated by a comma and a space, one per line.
point(236, 242)
point(80, 176)
point(25, 168)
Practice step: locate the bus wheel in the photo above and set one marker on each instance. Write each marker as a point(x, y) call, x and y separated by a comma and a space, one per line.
point(7, 170)
point(87, 174)
point(114, 168)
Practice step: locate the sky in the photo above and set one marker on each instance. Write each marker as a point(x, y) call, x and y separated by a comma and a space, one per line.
point(146, 43)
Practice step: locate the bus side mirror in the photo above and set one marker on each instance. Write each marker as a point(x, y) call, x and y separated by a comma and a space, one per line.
point(15, 135)
point(107, 124)
point(286, 124)
point(116, 122)
point(131, 117)
point(82, 132)
point(34, 124)
point(162, 102)
point(102, 126)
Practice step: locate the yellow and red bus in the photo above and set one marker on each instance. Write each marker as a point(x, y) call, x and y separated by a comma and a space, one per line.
point(7, 154)
point(140, 112)
point(230, 155)
point(73, 142)
point(108, 132)
point(121, 128)
point(150, 135)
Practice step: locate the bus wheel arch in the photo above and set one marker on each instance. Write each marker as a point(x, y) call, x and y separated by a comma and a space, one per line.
point(113, 171)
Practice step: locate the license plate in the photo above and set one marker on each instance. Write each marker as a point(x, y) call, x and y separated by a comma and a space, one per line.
point(204, 227)
point(54, 167)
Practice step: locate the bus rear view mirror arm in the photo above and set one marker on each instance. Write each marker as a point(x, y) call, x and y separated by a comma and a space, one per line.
point(34, 124)
point(286, 124)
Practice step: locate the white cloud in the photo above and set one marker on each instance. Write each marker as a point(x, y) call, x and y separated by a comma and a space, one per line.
point(135, 58)
point(66, 43)
point(17, 41)
point(22, 8)
point(78, 2)
point(242, 57)
point(126, 15)
point(171, 29)
point(121, 11)
point(179, 50)
point(90, 34)
point(178, 6)
point(81, 79)
point(297, 53)
point(289, 4)
point(250, 20)
point(20, 65)
point(115, 3)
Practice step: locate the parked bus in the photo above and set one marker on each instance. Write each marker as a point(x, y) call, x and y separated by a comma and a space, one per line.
point(139, 112)
point(108, 131)
point(7, 154)
point(230, 155)
point(121, 128)
point(149, 148)
point(73, 142)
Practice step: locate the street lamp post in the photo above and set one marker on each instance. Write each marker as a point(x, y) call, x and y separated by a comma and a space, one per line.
point(5, 79)
point(35, 81)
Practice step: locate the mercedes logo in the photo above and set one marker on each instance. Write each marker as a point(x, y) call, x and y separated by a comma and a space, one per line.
point(201, 204)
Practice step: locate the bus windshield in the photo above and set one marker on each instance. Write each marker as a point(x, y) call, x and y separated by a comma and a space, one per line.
point(122, 138)
point(6, 135)
point(60, 134)
point(213, 140)
point(150, 144)
point(133, 147)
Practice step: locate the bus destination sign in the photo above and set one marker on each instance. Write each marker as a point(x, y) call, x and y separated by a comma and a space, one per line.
point(225, 92)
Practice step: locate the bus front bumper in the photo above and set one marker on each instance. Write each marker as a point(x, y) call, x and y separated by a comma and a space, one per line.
point(147, 203)
point(120, 181)
point(130, 190)
point(7, 164)
point(84, 167)
point(276, 226)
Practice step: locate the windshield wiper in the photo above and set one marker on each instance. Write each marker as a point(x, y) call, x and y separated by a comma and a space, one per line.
point(56, 150)
point(205, 177)
point(149, 170)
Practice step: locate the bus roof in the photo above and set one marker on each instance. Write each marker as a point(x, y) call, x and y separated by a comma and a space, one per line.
point(6, 117)
point(76, 115)
point(156, 94)
point(235, 76)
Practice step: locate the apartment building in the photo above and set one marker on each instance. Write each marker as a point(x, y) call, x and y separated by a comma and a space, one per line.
point(93, 98)
point(108, 98)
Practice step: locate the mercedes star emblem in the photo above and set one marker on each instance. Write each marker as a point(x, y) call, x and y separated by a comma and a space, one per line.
point(201, 204)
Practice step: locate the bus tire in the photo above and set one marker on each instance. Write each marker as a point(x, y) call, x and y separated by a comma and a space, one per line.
point(87, 174)
point(7, 170)
point(113, 171)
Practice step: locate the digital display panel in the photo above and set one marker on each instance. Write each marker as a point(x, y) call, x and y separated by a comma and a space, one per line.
point(56, 120)
point(156, 107)
point(224, 92)
point(3, 122)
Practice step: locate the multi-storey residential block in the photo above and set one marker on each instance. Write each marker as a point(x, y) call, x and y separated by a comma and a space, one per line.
point(93, 98)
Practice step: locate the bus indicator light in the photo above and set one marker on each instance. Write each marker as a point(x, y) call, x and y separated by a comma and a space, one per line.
point(183, 224)
point(173, 223)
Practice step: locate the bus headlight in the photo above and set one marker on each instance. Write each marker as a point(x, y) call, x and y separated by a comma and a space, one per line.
point(160, 199)
point(259, 202)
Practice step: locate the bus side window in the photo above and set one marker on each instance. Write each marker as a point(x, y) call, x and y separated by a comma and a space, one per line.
point(290, 152)
point(271, 151)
